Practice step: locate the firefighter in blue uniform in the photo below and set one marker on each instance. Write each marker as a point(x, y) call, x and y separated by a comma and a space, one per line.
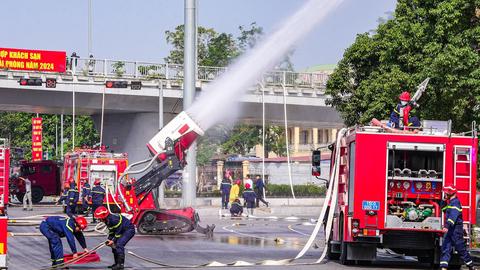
point(72, 199)
point(236, 209)
point(225, 187)
point(453, 229)
point(400, 116)
point(56, 227)
point(86, 196)
point(98, 195)
point(121, 230)
point(250, 198)
point(63, 197)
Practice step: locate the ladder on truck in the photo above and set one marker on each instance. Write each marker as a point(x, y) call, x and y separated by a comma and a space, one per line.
point(462, 179)
point(4, 172)
point(84, 169)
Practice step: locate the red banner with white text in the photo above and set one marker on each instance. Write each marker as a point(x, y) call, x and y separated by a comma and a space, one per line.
point(35, 60)
point(36, 138)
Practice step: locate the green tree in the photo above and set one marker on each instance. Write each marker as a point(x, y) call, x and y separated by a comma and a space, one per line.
point(425, 38)
point(274, 140)
point(213, 49)
point(242, 139)
point(17, 127)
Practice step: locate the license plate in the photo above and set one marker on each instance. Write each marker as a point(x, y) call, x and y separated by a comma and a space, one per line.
point(370, 205)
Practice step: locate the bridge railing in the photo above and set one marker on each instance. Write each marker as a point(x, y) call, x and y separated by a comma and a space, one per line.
point(148, 71)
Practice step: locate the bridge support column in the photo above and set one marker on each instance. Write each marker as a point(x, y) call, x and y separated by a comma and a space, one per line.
point(129, 132)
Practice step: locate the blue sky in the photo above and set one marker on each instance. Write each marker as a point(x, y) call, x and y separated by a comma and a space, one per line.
point(135, 29)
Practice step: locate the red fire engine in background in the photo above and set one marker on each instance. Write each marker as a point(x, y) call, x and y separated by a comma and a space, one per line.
point(4, 177)
point(85, 165)
point(45, 178)
point(390, 189)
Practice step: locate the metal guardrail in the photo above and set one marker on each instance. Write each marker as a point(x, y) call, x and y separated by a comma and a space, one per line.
point(151, 71)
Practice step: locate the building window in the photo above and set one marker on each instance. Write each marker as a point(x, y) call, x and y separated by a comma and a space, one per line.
point(304, 137)
point(324, 136)
point(290, 136)
point(320, 136)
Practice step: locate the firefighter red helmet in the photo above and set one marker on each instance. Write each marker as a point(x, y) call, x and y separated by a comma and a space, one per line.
point(101, 212)
point(67, 185)
point(81, 222)
point(97, 182)
point(404, 96)
point(238, 182)
point(449, 189)
point(247, 185)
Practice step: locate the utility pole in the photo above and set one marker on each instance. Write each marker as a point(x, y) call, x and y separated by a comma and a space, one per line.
point(61, 135)
point(90, 23)
point(189, 179)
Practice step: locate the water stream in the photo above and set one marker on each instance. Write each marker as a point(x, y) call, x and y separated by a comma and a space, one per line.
point(219, 100)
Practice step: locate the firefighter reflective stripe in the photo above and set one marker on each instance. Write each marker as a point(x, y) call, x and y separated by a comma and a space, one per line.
point(443, 263)
point(99, 192)
point(57, 260)
point(118, 235)
point(452, 207)
point(451, 221)
point(118, 224)
point(444, 208)
point(66, 224)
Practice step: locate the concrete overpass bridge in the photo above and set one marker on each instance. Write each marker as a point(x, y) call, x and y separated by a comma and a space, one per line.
point(131, 117)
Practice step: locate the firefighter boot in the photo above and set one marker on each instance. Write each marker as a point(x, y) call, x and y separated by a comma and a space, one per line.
point(115, 257)
point(471, 267)
point(121, 261)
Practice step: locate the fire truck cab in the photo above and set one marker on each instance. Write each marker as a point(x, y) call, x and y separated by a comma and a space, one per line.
point(390, 190)
point(85, 165)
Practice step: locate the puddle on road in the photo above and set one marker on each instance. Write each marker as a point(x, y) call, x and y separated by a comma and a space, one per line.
point(259, 242)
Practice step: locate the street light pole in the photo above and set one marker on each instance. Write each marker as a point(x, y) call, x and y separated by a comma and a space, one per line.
point(189, 62)
point(90, 23)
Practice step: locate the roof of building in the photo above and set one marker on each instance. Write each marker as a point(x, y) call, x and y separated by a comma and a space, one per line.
point(328, 68)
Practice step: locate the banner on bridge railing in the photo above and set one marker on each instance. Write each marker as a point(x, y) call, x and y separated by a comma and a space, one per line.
point(34, 60)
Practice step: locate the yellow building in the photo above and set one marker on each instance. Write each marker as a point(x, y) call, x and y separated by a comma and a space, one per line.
point(302, 141)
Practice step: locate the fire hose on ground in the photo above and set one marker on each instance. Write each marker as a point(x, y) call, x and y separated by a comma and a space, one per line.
point(329, 203)
point(74, 260)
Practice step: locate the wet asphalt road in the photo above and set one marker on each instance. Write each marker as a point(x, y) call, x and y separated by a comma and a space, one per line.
point(241, 239)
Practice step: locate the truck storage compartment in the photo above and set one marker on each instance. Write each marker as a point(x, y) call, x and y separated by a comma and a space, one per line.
point(414, 185)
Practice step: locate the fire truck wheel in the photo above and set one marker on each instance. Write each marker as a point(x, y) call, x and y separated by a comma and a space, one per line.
point(37, 194)
point(20, 197)
point(343, 246)
point(331, 255)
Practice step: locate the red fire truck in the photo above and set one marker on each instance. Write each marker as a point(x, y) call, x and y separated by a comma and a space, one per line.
point(390, 188)
point(45, 177)
point(85, 165)
point(4, 173)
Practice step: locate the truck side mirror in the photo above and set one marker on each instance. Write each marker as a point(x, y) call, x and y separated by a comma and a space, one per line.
point(316, 162)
